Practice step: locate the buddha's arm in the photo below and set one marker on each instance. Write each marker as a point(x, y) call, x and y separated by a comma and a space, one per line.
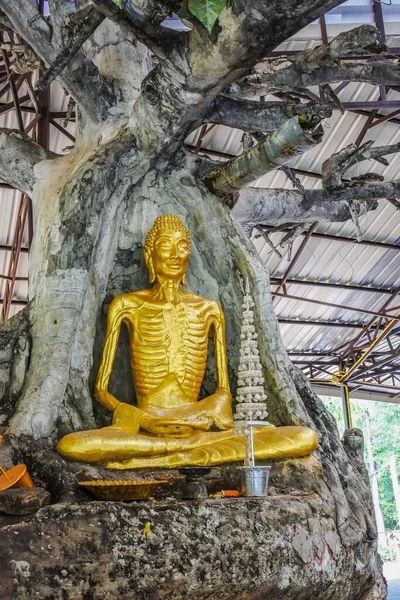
point(220, 350)
point(114, 321)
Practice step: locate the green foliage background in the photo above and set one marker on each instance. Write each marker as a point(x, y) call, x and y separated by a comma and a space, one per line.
point(385, 430)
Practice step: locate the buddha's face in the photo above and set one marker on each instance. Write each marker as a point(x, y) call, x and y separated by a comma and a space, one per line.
point(170, 256)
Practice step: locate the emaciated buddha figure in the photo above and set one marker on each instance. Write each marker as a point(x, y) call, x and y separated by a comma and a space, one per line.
point(168, 331)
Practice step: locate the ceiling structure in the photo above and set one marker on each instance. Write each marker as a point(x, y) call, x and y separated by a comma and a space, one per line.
point(337, 300)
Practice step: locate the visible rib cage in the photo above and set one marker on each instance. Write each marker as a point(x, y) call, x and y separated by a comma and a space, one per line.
point(170, 342)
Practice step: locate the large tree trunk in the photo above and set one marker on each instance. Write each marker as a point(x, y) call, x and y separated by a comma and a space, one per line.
point(94, 234)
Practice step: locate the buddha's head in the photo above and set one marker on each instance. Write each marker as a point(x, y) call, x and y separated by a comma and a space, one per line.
point(167, 249)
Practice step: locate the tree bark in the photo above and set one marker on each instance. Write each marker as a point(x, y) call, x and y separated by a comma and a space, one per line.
point(290, 139)
point(82, 78)
point(15, 349)
point(278, 207)
point(18, 159)
point(249, 115)
point(320, 65)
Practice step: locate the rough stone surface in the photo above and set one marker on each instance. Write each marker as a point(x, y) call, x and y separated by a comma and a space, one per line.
point(23, 501)
point(15, 344)
point(281, 547)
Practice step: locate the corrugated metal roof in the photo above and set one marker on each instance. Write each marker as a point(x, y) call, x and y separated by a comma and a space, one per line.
point(328, 260)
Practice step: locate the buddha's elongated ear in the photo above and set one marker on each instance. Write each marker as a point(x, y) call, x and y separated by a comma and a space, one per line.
point(149, 264)
point(183, 280)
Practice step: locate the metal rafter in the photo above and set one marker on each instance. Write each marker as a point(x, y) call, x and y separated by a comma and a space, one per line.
point(14, 257)
point(22, 92)
point(335, 285)
point(326, 323)
point(370, 332)
point(344, 239)
point(328, 304)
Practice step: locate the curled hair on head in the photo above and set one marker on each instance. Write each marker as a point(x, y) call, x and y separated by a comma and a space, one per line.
point(162, 223)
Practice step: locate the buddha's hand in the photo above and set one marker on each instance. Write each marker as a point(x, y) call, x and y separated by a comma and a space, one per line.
point(213, 411)
point(166, 423)
point(173, 427)
point(175, 422)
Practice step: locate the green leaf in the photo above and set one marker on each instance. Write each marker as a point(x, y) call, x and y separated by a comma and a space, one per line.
point(206, 11)
point(118, 3)
point(366, 154)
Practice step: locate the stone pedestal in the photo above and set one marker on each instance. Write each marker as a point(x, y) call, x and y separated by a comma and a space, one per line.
point(280, 547)
point(292, 545)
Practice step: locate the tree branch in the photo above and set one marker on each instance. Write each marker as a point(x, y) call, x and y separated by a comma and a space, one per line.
point(82, 32)
point(249, 115)
point(336, 166)
point(66, 14)
point(146, 14)
point(338, 200)
point(18, 157)
point(256, 207)
point(276, 150)
point(354, 213)
point(321, 66)
point(264, 235)
point(289, 79)
point(5, 23)
point(83, 8)
point(240, 38)
point(178, 93)
point(81, 78)
point(25, 19)
point(143, 19)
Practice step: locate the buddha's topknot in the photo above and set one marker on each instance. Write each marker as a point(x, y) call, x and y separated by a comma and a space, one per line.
point(160, 224)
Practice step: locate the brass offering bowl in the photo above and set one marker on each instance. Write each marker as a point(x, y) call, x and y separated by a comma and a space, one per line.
point(121, 489)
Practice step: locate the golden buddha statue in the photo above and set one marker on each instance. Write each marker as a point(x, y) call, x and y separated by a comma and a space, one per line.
point(168, 331)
